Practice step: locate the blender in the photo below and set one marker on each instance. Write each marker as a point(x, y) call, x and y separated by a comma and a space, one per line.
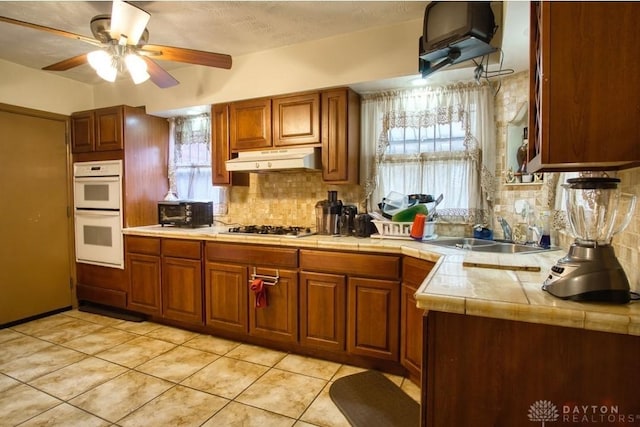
point(591, 271)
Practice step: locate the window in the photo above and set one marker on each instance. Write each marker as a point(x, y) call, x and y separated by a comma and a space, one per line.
point(431, 160)
point(190, 162)
point(432, 141)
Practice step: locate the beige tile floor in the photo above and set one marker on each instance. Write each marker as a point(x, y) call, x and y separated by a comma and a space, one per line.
point(82, 369)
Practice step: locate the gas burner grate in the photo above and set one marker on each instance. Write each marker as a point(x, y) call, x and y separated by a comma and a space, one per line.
point(273, 230)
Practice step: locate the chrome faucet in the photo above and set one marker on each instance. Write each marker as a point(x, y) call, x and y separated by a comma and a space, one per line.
point(506, 228)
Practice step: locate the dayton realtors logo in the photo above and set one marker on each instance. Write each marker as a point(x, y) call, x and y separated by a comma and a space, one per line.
point(543, 411)
point(546, 411)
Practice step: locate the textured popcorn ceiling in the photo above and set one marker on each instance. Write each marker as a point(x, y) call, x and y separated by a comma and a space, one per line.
point(235, 28)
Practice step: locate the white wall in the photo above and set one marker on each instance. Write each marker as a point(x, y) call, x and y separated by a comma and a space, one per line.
point(41, 90)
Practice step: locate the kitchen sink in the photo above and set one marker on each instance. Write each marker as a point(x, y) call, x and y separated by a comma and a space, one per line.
point(481, 245)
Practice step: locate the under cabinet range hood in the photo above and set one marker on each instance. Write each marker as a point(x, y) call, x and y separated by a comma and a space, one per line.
point(276, 160)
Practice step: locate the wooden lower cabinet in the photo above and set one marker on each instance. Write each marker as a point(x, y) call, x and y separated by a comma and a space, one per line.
point(102, 285)
point(226, 294)
point(493, 372)
point(144, 283)
point(350, 302)
point(231, 306)
point(374, 315)
point(181, 289)
point(278, 320)
point(414, 271)
point(143, 266)
point(323, 310)
point(165, 278)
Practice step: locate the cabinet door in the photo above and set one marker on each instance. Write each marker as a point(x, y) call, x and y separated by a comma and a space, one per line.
point(278, 320)
point(577, 112)
point(296, 119)
point(226, 293)
point(220, 144)
point(340, 136)
point(221, 151)
point(144, 283)
point(109, 129)
point(374, 313)
point(182, 290)
point(323, 309)
point(411, 333)
point(250, 124)
point(82, 132)
point(414, 271)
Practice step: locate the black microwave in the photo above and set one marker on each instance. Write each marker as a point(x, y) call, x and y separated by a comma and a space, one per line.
point(185, 213)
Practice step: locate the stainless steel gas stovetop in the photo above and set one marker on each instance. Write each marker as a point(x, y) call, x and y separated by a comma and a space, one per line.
point(272, 230)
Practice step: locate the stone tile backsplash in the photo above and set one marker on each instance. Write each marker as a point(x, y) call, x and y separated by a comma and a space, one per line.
point(284, 198)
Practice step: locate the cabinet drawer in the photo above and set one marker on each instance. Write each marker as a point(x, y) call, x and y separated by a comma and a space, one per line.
point(352, 264)
point(143, 245)
point(255, 255)
point(415, 270)
point(181, 248)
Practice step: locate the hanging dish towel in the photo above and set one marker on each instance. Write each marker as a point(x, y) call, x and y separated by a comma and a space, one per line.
point(258, 287)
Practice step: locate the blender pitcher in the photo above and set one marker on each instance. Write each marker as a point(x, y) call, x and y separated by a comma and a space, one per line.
point(591, 271)
point(592, 209)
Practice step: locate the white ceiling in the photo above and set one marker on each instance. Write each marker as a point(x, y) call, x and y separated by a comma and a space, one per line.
point(230, 27)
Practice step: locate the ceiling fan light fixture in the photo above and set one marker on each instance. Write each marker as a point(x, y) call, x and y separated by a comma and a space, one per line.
point(137, 68)
point(102, 62)
point(108, 73)
point(128, 20)
point(99, 59)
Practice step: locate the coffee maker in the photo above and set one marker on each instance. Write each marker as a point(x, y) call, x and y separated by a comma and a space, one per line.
point(591, 271)
point(328, 214)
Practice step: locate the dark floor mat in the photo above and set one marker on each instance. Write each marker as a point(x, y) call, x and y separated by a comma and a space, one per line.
point(370, 399)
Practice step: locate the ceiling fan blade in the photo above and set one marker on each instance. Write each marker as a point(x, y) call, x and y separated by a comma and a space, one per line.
point(190, 56)
point(68, 63)
point(129, 21)
point(159, 75)
point(51, 30)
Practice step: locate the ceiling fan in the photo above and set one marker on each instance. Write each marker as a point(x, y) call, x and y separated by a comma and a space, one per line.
point(122, 41)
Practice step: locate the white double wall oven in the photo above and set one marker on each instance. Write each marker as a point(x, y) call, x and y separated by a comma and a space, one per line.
point(97, 195)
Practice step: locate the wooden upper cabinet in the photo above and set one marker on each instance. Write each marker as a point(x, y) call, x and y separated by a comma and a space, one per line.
point(340, 136)
point(220, 144)
point(109, 129)
point(82, 132)
point(296, 119)
point(221, 150)
point(585, 81)
point(250, 124)
point(97, 130)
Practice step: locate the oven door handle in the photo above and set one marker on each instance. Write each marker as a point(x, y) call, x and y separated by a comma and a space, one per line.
point(94, 213)
point(84, 179)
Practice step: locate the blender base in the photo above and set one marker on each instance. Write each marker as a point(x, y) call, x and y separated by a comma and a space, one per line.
point(589, 274)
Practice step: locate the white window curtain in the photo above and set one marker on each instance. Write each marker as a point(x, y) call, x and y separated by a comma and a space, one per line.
point(190, 162)
point(464, 174)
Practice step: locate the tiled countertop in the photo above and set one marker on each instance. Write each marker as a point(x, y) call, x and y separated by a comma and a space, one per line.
point(505, 293)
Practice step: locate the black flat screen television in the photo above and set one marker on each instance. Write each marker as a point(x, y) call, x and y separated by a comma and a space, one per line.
point(446, 22)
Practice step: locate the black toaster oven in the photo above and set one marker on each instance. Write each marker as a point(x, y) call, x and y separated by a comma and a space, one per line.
point(185, 213)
